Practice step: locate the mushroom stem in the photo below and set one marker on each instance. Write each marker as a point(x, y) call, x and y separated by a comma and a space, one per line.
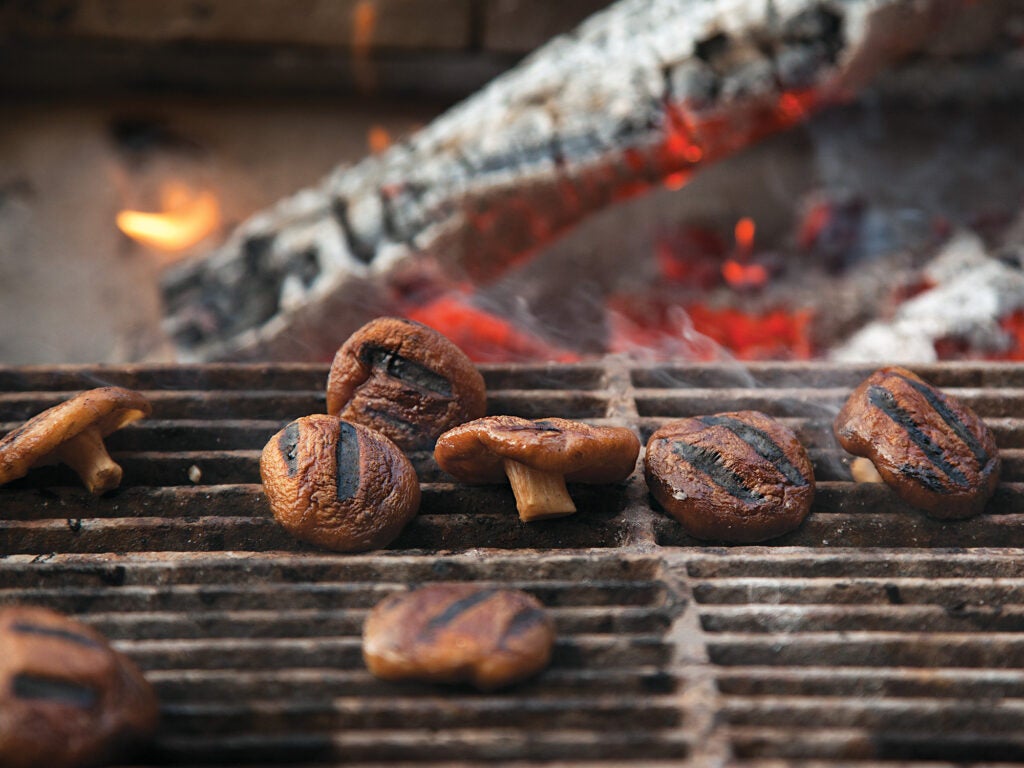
point(538, 494)
point(86, 454)
point(863, 471)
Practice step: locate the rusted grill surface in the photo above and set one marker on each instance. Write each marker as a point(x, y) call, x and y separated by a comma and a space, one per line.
point(872, 634)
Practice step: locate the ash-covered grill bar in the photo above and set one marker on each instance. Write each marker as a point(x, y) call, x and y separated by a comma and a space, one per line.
point(871, 634)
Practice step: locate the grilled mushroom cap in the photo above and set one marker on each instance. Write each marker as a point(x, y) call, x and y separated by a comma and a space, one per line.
point(538, 457)
point(453, 633)
point(66, 697)
point(405, 380)
point(738, 477)
point(338, 485)
point(73, 432)
point(929, 447)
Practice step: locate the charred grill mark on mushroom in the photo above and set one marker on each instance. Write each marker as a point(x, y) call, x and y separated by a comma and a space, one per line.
point(24, 628)
point(405, 380)
point(405, 370)
point(543, 425)
point(762, 443)
point(393, 421)
point(521, 623)
point(456, 609)
point(738, 477)
point(936, 401)
point(288, 445)
point(884, 400)
point(533, 426)
point(928, 446)
point(347, 460)
point(924, 476)
point(458, 633)
point(26, 686)
point(352, 489)
point(712, 464)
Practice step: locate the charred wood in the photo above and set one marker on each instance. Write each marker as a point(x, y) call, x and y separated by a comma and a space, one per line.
point(645, 91)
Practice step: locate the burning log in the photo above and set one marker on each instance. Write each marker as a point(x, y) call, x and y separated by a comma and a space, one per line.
point(642, 94)
point(972, 295)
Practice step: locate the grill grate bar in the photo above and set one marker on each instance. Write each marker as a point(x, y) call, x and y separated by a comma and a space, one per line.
point(429, 746)
point(903, 682)
point(872, 634)
point(866, 649)
point(539, 714)
point(866, 744)
point(976, 616)
point(184, 686)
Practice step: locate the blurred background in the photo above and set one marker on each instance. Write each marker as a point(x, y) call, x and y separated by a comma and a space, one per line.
point(137, 135)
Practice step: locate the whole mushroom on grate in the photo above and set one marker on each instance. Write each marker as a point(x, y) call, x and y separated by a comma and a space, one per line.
point(72, 432)
point(405, 380)
point(929, 447)
point(739, 477)
point(67, 698)
point(338, 485)
point(455, 633)
point(538, 457)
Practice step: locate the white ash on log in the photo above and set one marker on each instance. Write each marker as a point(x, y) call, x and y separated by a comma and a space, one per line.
point(972, 290)
point(647, 90)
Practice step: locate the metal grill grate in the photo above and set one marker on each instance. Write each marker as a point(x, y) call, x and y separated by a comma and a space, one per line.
point(871, 634)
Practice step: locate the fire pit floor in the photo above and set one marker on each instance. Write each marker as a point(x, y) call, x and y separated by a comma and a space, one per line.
point(871, 634)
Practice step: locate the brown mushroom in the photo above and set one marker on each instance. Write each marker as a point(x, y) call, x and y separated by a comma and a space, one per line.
point(66, 697)
point(72, 432)
point(338, 485)
point(405, 380)
point(739, 477)
point(455, 633)
point(931, 448)
point(537, 457)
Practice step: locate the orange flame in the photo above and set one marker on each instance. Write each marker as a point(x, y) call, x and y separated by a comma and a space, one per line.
point(186, 219)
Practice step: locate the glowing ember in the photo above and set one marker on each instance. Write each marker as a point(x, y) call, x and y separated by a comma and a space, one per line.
point(701, 333)
point(739, 275)
point(778, 334)
point(744, 234)
point(378, 139)
point(794, 106)
point(651, 331)
point(739, 272)
point(958, 348)
point(813, 224)
point(691, 257)
point(187, 218)
point(676, 181)
point(680, 145)
point(1013, 324)
point(483, 336)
